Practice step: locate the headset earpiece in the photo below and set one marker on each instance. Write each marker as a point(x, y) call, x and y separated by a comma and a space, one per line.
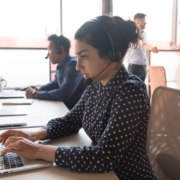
point(115, 57)
point(58, 50)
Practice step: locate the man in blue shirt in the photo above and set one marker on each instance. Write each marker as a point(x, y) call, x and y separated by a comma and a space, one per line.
point(68, 84)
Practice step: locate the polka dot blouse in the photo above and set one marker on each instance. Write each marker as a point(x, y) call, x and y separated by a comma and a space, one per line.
point(115, 117)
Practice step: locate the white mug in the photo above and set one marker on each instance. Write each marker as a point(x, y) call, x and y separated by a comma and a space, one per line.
point(1, 86)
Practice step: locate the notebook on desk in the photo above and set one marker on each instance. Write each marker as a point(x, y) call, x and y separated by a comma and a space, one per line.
point(11, 162)
point(11, 94)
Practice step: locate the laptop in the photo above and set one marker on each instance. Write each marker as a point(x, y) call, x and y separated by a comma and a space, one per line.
point(11, 162)
point(11, 94)
point(14, 110)
point(17, 101)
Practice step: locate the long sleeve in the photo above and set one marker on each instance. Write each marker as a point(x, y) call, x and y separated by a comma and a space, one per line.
point(50, 86)
point(69, 124)
point(68, 81)
point(123, 125)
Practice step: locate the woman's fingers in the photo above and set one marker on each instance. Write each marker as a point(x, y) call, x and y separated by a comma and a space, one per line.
point(9, 149)
point(7, 134)
point(13, 144)
point(4, 136)
point(22, 147)
point(12, 139)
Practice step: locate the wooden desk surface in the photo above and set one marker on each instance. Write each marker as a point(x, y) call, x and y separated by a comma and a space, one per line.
point(58, 173)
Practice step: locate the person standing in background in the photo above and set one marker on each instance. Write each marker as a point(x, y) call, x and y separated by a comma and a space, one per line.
point(136, 57)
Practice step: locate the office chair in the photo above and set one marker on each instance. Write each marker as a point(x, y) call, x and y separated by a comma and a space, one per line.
point(157, 77)
point(164, 129)
point(169, 164)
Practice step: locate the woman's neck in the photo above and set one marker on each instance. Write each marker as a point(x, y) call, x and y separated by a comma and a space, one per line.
point(110, 72)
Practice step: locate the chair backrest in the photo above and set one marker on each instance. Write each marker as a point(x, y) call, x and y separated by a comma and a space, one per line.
point(164, 126)
point(157, 77)
point(169, 164)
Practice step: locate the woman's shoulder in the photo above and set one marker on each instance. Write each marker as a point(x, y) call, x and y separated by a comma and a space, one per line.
point(133, 87)
point(134, 82)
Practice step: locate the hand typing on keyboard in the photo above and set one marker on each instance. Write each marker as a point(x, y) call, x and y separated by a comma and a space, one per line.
point(18, 133)
point(21, 143)
point(21, 146)
point(9, 160)
point(11, 139)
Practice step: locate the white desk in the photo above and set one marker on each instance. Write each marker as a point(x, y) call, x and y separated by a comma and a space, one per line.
point(41, 111)
point(58, 173)
point(47, 110)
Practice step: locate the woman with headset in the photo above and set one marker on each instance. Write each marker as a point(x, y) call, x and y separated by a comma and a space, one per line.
point(114, 109)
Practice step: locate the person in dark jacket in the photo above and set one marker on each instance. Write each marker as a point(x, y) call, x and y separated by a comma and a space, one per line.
point(68, 84)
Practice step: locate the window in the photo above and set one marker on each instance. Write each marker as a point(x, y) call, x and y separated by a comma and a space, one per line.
point(159, 17)
point(75, 13)
point(24, 67)
point(27, 23)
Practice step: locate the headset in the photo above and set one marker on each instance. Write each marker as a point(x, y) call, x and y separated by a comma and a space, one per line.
point(57, 45)
point(113, 55)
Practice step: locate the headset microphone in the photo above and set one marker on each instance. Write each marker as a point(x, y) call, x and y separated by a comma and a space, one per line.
point(89, 81)
point(47, 56)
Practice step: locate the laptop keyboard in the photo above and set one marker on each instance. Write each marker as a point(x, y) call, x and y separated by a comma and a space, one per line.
point(7, 110)
point(10, 160)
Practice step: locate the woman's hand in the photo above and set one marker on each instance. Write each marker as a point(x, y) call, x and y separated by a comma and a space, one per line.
point(28, 149)
point(22, 147)
point(32, 136)
point(17, 133)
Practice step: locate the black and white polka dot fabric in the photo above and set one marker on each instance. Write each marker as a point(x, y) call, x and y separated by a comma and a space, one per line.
point(115, 117)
